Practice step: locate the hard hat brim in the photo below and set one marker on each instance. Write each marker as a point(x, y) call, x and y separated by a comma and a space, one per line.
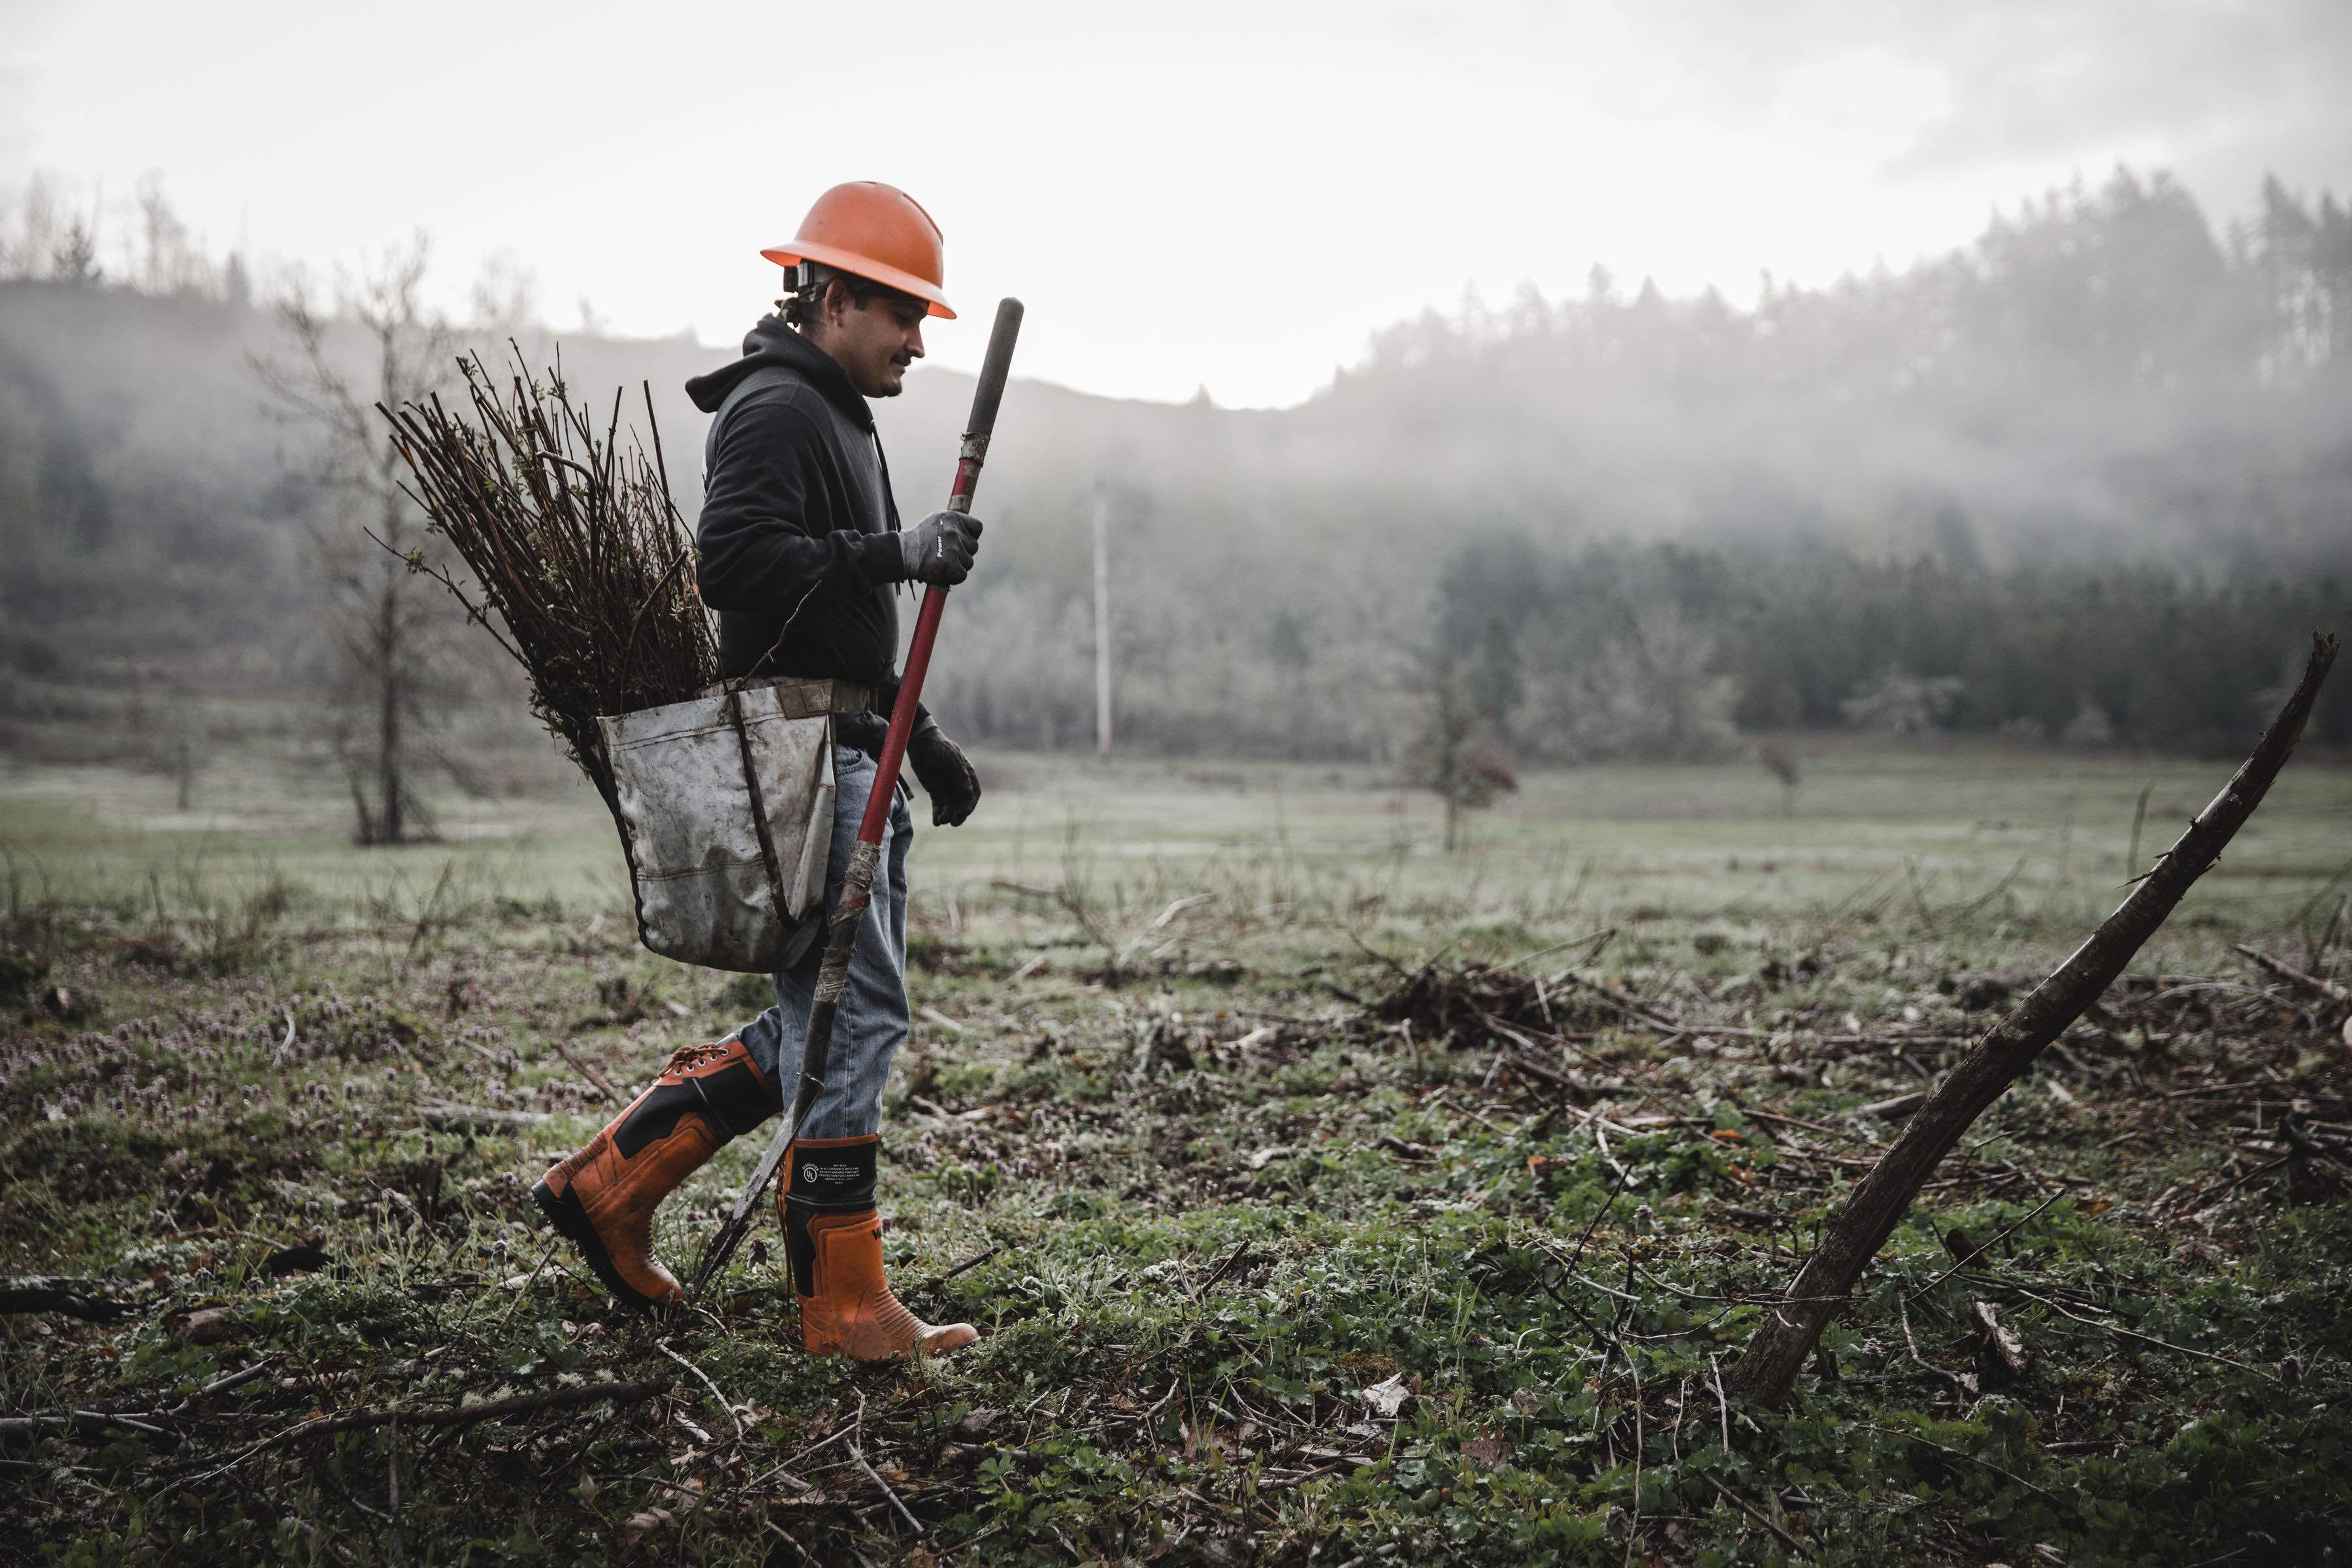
point(865, 267)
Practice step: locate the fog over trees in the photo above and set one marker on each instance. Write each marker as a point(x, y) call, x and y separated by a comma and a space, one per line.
point(2087, 481)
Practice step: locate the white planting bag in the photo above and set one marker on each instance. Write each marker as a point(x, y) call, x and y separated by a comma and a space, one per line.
point(726, 809)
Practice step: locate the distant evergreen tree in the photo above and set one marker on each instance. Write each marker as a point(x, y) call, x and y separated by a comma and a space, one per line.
point(1287, 640)
point(75, 260)
point(1492, 677)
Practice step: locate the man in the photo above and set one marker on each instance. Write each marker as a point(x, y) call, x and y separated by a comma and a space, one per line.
point(803, 557)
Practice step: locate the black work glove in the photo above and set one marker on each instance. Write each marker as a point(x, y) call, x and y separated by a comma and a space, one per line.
point(938, 550)
point(946, 775)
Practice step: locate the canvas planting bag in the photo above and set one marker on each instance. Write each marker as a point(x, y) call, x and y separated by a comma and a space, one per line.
point(726, 806)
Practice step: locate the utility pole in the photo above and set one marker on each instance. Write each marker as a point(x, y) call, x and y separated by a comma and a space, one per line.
point(1102, 620)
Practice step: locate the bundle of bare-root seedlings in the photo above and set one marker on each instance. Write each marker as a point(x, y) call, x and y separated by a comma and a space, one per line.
point(574, 545)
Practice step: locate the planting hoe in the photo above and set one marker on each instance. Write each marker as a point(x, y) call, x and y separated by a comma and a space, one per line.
point(858, 879)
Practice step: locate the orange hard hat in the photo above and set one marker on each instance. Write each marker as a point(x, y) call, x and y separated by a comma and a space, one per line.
point(876, 232)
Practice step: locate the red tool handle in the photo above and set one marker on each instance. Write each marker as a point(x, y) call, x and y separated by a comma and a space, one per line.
point(993, 371)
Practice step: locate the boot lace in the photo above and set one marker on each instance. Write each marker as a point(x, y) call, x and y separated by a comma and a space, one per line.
point(685, 1059)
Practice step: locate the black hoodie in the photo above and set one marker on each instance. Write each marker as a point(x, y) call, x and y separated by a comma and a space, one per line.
point(799, 548)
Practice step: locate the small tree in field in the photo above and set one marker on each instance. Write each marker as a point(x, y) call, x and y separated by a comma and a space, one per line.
point(1781, 763)
point(1450, 754)
point(387, 625)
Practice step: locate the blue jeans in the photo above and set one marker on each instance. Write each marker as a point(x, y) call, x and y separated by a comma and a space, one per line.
point(871, 1022)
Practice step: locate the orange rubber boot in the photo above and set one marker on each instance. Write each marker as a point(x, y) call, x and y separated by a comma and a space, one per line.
point(835, 1240)
point(604, 1198)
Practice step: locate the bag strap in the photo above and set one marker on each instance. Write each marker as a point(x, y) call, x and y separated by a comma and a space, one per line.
point(769, 863)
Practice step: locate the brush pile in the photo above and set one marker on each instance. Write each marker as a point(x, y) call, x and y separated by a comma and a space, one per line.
point(1466, 1004)
point(574, 545)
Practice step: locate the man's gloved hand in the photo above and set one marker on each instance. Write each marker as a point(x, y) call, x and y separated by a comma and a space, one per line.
point(946, 775)
point(938, 550)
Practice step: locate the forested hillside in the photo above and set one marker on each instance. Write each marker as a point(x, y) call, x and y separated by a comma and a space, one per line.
point(2091, 467)
point(2089, 478)
point(1664, 651)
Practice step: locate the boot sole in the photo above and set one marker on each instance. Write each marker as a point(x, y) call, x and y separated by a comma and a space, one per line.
point(564, 1212)
point(893, 1357)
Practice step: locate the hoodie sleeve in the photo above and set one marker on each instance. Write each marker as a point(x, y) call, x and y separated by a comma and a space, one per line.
point(763, 499)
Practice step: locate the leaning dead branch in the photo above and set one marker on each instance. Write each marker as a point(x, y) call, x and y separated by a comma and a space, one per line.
point(1768, 1369)
point(574, 545)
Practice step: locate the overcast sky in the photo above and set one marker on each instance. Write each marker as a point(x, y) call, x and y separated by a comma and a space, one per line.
point(1231, 195)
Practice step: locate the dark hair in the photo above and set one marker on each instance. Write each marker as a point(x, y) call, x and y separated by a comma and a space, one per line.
point(802, 306)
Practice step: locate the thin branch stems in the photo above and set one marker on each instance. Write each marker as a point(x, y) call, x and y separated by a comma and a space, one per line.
point(574, 545)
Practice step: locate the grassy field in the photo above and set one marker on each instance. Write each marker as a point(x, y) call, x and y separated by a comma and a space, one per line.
point(1323, 1197)
point(1871, 828)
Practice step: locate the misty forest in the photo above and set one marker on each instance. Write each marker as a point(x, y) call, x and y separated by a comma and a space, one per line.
point(2079, 483)
point(1622, 983)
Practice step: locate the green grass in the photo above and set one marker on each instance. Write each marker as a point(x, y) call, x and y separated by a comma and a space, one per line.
point(1872, 828)
point(1218, 1199)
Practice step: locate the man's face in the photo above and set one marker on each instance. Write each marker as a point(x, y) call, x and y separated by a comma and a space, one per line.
point(873, 340)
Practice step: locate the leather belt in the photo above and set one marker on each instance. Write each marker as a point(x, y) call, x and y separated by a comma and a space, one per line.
point(860, 721)
point(800, 698)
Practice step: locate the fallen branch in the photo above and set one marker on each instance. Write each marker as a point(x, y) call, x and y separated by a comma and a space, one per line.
point(1959, 1454)
point(87, 1423)
point(591, 1074)
point(1521, 1063)
point(876, 1476)
point(1665, 1025)
point(480, 1119)
point(2122, 1332)
point(1964, 1381)
point(228, 1381)
point(967, 1265)
point(448, 1415)
point(74, 1298)
point(705, 1379)
point(2294, 976)
point(1027, 1458)
point(1768, 1370)
point(1791, 1541)
point(1968, 1255)
point(1232, 1262)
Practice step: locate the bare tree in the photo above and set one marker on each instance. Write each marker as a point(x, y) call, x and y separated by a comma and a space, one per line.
point(171, 260)
point(386, 621)
point(1451, 756)
point(29, 250)
point(1781, 763)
